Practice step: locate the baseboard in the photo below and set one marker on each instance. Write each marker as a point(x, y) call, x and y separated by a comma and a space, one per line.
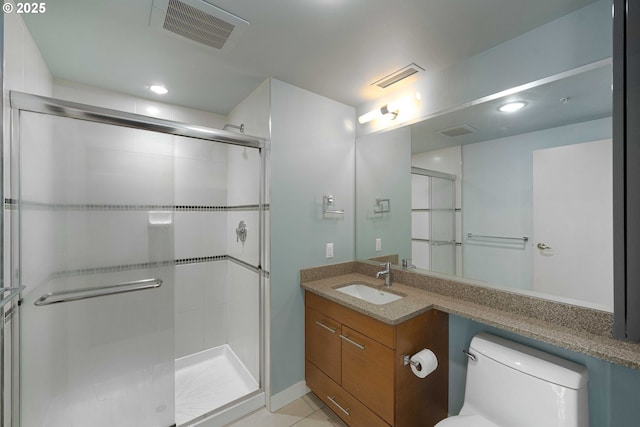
point(287, 396)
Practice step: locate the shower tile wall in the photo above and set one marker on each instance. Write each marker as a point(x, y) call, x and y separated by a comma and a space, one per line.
point(242, 284)
point(200, 307)
point(243, 168)
point(94, 228)
point(24, 70)
point(83, 209)
point(200, 181)
point(217, 302)
point(200, 178)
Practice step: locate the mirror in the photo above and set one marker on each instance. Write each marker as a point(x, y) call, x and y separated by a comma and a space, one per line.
point(518, 200)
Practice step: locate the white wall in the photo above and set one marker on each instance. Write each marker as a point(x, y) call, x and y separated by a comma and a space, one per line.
point(24, 67)
point(312, 153)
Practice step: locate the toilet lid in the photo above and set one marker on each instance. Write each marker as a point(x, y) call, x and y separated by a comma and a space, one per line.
point(466, 421)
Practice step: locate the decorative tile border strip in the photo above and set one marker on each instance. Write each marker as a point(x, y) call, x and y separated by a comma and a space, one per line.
point(13, 203)
point(156, 264)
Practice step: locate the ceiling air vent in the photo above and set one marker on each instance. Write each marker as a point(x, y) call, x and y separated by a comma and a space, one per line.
point(396, 76)
point(198, 21)
point(458, 130)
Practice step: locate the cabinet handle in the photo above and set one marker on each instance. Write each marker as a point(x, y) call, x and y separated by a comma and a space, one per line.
point(322, 325)
point(332, 399)
point(360, 346)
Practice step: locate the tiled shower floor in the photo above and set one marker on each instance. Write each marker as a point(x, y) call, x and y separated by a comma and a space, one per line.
point(209, 379)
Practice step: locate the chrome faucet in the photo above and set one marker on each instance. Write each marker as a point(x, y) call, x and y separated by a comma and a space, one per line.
point(387, 271)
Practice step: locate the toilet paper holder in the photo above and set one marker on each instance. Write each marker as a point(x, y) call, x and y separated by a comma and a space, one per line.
point(406, 360)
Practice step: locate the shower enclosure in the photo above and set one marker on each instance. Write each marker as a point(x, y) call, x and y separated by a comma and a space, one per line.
point(140, 245)
point(433, 220)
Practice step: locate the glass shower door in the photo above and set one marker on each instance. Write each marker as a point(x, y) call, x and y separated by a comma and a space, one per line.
point(93, 244)
point(443, 211)
point(433, 220)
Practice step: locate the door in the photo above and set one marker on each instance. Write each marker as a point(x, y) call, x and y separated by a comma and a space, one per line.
point(572, 222)
point(93, 244)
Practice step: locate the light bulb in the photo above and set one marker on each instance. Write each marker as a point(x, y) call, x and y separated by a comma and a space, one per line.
point(159, 89)
point(512, 106)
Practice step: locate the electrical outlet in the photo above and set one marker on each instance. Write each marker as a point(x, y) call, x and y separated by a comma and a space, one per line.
point(378, 244)
point(329, 250)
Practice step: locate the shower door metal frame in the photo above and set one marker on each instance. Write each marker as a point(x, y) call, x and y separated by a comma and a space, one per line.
point(449, 177)
point(19, 102)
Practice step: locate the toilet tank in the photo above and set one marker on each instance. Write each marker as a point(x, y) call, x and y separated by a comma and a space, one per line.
point(516, 386)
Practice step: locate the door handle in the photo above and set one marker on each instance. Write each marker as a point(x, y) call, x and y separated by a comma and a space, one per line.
point(543, 246)
point(322, 325)
point(350, 341)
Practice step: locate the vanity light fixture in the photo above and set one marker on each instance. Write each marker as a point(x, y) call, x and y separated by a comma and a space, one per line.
point(392, 109)
point(511, 107)
point(159, 89)
point(377, 113)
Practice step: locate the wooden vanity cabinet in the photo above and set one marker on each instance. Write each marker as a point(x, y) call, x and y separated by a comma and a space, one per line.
point(354, 363)
point(323, 344)
point(367, 372)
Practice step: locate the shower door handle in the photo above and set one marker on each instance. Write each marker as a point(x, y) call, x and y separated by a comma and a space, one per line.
point(85, 293)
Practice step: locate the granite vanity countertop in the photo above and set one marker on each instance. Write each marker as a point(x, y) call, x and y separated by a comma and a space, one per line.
point(417, 301)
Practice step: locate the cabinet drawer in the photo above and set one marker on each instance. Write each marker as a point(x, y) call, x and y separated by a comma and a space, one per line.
point(322, 343)
point(379, 331)
point(367, 372)
point(352, 412)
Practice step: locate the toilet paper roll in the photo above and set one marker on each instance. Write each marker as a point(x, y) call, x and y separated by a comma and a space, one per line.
point(428, 363)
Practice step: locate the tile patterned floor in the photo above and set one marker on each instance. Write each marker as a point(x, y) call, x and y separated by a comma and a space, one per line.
point(308, 411)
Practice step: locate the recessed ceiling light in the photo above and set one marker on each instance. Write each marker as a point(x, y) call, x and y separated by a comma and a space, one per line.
point(512, 106)
point(159, 89)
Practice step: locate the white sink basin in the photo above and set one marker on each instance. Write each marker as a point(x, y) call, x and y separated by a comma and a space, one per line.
point(369, 294)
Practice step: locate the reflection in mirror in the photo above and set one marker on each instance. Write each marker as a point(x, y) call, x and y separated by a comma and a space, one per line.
point(433, 220)
point(520, 200)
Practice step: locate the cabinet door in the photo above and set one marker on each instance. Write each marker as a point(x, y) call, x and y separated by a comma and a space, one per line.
point(348, 408)
point(367, 372)
point(322, 343)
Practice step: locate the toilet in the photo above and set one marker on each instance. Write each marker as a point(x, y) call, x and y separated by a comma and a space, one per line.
point(512, 385)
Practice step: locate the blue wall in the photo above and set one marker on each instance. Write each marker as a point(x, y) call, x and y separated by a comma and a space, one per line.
point(497, 199)
point(614, 391)
point(382, 170)
point(312, 153)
